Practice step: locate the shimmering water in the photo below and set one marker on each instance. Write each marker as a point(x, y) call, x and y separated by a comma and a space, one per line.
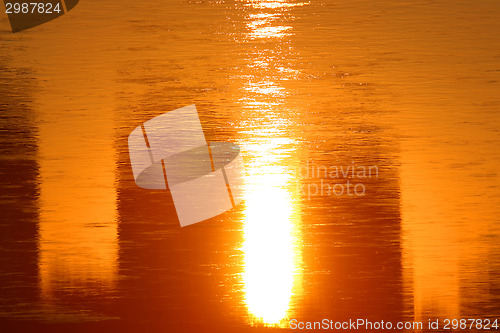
point(305, 88)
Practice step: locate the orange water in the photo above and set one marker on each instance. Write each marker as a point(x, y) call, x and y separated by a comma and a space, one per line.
point(409, 87)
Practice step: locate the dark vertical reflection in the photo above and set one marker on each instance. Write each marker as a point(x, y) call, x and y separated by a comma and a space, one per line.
point(352, 245)
point(172, 278)
point(19, 197)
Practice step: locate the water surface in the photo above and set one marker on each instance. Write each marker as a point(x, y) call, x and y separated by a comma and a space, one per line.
point(302, 86)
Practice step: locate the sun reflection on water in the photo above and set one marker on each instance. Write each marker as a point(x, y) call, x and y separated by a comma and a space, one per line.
point(271, 249)
point(271, 252)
